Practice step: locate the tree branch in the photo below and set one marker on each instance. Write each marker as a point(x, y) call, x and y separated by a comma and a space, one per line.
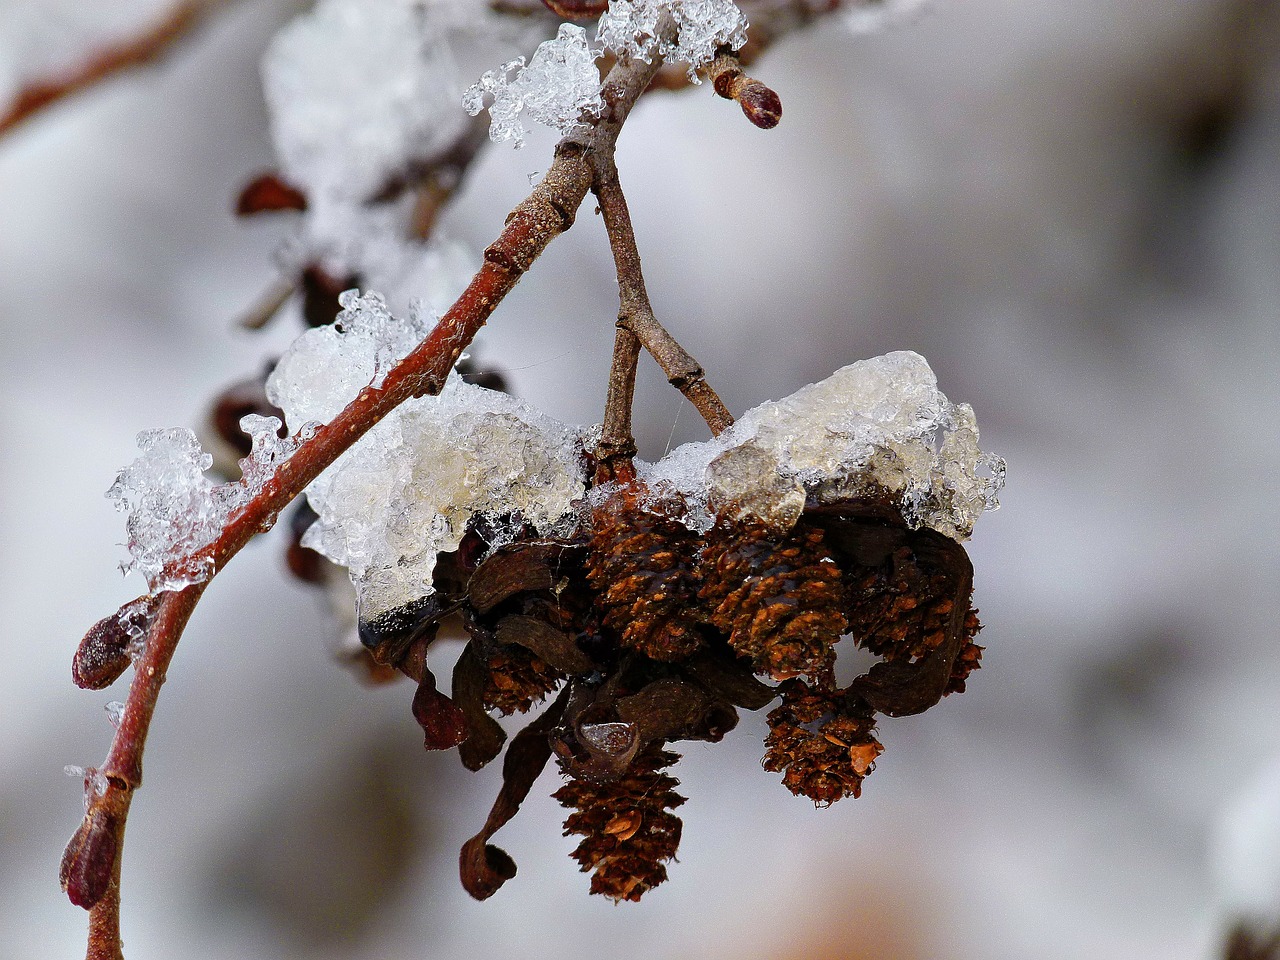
point(637, 326)
point(144, 48)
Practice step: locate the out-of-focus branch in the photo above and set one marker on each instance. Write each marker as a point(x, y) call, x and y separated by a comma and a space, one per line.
point(100, 64)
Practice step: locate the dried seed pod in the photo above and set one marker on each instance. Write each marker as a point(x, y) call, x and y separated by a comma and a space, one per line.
point(822, 744)
point(778, 599)
point(644, 565)
point(626, 824)
point(518, 679)
point(968, 659)
point(320, 306)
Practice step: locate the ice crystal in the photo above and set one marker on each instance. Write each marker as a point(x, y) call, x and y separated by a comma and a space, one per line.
point(115, 712)
point(172, 511)
point(631, 28)
point(408, 489)
point(95, 782)
point(557, 86)
point(877, 427)
point(328, 366)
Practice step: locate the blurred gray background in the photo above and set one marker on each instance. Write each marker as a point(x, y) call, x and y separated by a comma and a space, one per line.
point(1072, 209)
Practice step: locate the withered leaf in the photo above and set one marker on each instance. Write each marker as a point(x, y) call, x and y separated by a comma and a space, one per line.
point(554, 646)
point(484, 867)
point(486, 737)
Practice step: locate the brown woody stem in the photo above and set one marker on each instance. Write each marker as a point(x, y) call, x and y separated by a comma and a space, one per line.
point(637, 326)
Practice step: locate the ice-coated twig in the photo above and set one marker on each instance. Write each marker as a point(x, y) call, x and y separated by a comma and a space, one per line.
point(545, 214)
point(637, 326)
point(92, 860)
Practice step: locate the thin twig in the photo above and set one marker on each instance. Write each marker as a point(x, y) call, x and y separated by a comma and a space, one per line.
point(636, 319)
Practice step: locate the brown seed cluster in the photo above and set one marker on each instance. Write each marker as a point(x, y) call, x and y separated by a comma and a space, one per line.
point(821, 743)
point(627, 828)
point(644, 633)
point(778, 599)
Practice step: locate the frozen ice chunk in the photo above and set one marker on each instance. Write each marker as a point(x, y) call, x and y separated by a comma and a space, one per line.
point(557, 86)
point(175, 511)
point(172, 513)
point(878, 427)
point(356, 90)
point(747, 482)
point(631, 28)
point(115, 712)
point(325, 368)
point(408, 489)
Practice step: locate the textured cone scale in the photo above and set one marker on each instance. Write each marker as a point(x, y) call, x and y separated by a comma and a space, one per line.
point(517, 680)
point(779, 600)
point(644, 567)
point(822, 745)
point(627, 828)
point(903, 609)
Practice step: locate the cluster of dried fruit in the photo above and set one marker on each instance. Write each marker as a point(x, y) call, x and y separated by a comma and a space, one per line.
point(646, 633)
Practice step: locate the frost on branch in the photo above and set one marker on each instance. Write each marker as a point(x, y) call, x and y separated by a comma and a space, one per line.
point(874, 428)
point(559, 84)
point(175, 511)
point(630, 28)
point(408, 489)
point(172, 511)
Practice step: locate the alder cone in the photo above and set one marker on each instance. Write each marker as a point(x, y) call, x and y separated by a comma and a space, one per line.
point(779, 600)
point(644, 567)
point(902, 609)
point(822, 744)
point(627, 826)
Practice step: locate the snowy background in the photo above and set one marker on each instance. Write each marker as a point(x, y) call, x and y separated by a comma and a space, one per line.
point(1073, 210)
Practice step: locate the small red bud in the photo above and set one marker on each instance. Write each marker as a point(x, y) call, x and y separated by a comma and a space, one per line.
point(761, 105)
point(89, 858)
point(103, 654)
point(268, 193)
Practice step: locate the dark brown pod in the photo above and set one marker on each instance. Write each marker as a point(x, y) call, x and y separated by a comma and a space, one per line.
point(577, 9)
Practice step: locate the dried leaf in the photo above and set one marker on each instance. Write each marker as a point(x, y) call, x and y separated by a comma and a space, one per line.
point(484, 867)
point(486, 737)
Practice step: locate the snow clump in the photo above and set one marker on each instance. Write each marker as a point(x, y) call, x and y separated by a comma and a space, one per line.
point(407, 491)
point(559, 84)
point(631, 28)
point(874, 428)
